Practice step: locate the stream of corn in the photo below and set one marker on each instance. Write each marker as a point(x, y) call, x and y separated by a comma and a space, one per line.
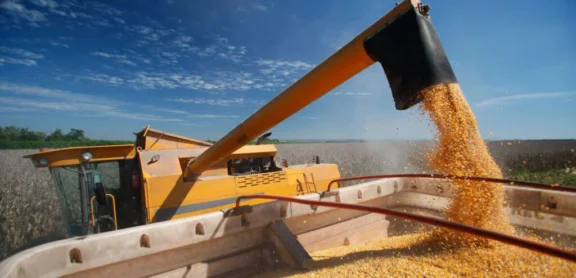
point(460, 150)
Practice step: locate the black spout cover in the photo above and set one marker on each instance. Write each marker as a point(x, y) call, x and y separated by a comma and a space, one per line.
point(412, 56)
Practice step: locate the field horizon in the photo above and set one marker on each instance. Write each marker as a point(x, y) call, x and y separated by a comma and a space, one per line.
point(30, 212)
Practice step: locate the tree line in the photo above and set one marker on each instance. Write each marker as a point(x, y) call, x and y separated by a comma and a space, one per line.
point(24, 134)
point(13, 137)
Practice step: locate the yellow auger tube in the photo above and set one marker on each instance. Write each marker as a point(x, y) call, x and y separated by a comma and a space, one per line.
point(341, 66)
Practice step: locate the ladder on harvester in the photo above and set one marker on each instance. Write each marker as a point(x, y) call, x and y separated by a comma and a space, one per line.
point(306, 187)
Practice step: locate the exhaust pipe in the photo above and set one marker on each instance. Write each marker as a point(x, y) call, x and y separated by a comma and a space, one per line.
point(404, 42)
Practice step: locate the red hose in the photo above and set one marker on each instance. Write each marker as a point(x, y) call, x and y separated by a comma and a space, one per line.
point(503, 181)
point(514, 240)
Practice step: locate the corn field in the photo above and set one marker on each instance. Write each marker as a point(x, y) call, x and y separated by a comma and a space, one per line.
point(30, 212)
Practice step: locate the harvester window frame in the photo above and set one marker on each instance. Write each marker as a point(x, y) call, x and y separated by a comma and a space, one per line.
point(251, 162)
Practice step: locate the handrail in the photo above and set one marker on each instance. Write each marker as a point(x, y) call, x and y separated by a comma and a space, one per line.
point(509, 239)
point(113, 209)
point(505, 181)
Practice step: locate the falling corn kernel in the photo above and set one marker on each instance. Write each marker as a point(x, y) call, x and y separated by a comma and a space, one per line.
point(458, 137)
point(443, 253)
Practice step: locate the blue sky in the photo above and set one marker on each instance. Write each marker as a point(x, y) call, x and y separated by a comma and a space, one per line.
point(198, 68)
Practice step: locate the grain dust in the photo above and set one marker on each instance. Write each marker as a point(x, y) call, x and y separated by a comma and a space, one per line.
point(461, 151)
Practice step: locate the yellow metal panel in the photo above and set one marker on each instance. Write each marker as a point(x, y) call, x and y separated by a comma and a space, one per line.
point(219, 169)
point(255, 150)
point(73, 156)
point(219, 193)
point(146, 198)
point(169, 191)
point(159, 140)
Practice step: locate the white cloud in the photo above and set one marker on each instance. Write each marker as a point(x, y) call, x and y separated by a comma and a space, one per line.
point(307, 117)
point(101, 23)
point(144, 80)
point(280, 73)
point(103, 78)
point(211, 81)
point(277, 74)
point(105, 9)
point(82, 109)
point(150, 34)
point(121, 59)
point(275, 64)
point(259, 7)
point(222, 49)
point(20, 11)
point(59, 12)
point(45, 3)
point(78, 104)
point(215, 102)
point(212, 116)
point(13, 109)
point(168, 110)
point(182, 42)
point(127, 62)
point(10, 60)
point(21, 52)
point(171, 55)
point(168, 58)
point(119, 20)
point(32, 90)
point(109, 55)
point(184, 38)
point(267, 71)
point(56, 105)
point(55, 43)
point(80, 15)
point(137, 116)
point(351, 94)
point(143, 30)
point(501, 100)
point(187, 124)
point(190, 115)
point(49, 93)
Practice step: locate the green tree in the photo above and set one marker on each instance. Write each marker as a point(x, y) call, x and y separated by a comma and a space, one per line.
point(11, 132)
point(75, 135)
point(40, 136)
point(56, 135)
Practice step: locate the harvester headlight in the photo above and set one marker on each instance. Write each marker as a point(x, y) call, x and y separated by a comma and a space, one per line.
point(86, 156)
point(43, 161)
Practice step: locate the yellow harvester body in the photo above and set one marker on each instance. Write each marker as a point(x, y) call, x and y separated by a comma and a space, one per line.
point(160, 158)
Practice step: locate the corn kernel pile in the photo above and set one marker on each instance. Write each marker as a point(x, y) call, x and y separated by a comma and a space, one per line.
point(461, 151)
point(416, 256)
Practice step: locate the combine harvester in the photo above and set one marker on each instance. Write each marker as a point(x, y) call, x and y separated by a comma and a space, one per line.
point(233, 210)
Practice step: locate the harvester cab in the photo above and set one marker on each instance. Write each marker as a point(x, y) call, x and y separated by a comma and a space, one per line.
point(97, 187)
